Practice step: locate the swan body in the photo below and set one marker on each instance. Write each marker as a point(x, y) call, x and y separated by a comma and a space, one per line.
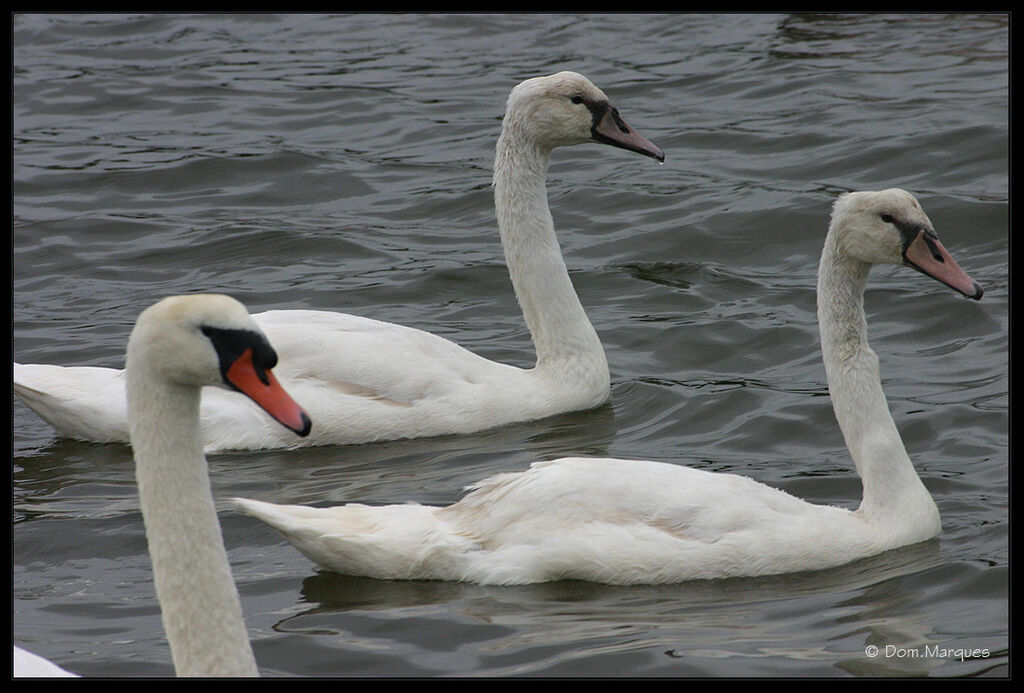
point(628, 521)
point(178, 346)
point(364, 380)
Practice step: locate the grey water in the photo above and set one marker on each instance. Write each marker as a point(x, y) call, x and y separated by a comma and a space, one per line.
point(343, 163)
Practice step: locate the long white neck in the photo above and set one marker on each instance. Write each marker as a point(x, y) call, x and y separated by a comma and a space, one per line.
point(893, 492)
point(562, 335)
point(201, 611)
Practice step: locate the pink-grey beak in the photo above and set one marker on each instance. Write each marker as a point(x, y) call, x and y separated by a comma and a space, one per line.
point(610, 128)
point(927, 255)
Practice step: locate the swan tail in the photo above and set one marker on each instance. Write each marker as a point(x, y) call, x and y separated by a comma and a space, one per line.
point(393, 542)
point(82, 402)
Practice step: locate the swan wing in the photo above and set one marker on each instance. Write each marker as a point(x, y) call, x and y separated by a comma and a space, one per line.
point(606, 520)
point(82, 402)
point(361, 380)
point(371, 358)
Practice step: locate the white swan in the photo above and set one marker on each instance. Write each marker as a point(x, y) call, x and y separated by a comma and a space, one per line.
point(628, 521)
point(365, 380)
point(179, 345)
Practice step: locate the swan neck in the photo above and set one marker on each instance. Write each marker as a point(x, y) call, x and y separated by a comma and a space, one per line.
point(891, 485)
point(199, 603)
point(557, 322)
point(841, 318)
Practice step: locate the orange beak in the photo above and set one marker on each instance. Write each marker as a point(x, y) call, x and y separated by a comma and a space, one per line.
point(262, 387)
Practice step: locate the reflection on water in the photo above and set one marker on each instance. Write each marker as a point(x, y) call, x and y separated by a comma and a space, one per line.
point(721, 618)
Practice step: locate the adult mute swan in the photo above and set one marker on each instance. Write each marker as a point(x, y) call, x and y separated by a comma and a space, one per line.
point(178, 346)
point(628, 521)
point(364, 380)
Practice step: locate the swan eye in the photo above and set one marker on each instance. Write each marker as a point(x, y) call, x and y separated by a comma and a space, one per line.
point(887, 218)
point(576, 99)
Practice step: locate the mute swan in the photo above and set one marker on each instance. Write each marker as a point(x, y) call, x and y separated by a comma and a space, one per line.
point(629, 521)
point(364, 380)
point(179, 345)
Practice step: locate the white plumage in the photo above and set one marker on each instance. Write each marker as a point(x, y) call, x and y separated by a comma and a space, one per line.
point(28, 665)
point(179, 346)
point(629, 521)
point(364, 380)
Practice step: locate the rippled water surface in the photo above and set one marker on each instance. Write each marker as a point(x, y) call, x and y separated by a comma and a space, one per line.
point(343, 163)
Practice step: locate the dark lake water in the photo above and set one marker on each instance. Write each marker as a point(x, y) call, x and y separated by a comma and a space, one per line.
point(343, 163)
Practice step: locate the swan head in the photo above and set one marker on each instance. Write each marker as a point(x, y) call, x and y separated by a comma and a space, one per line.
point(890, 227)
point(566, 109)
point(201, 340)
